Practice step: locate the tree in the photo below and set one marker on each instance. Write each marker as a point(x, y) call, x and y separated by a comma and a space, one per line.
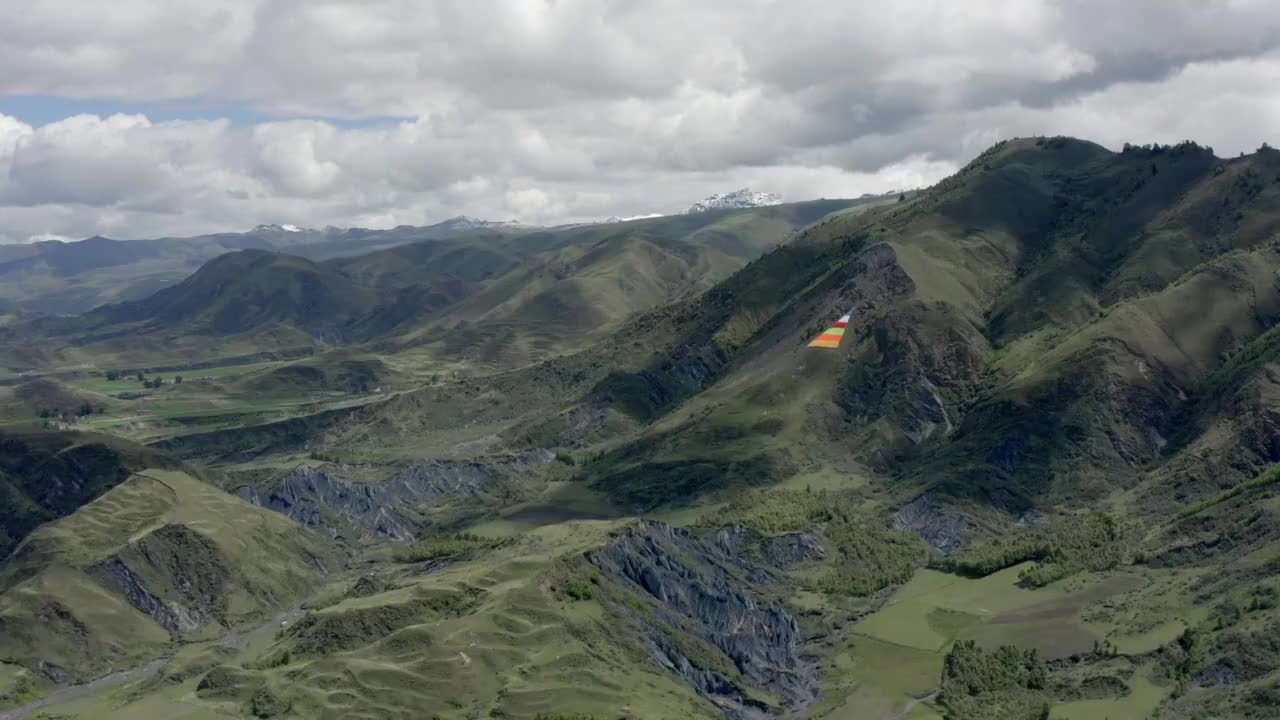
point(177, 379)
point(902, 197)
point(112, 375)
point(141, 378)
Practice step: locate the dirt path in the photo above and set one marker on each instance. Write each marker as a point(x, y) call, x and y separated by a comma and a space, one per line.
point(233, 639)
point(239, 638)
point(75, 692)
point(912, 705)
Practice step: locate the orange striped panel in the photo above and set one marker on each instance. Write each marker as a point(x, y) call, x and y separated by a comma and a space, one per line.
point(832, 337)
point(826, 341)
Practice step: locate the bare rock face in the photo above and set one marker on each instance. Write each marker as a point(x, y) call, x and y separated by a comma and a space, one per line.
point(793, 548)
point(942, 530)
point(174, 575)
point(169, 615)
point(707, 589)
point(318, 500)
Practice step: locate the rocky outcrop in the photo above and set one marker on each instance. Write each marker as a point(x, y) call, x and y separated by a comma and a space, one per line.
point(171, 616)
point(319, 500)
point(943, 530)
point(174, 575)
point(792, 548)
point(706, 588)
point(1217, 675)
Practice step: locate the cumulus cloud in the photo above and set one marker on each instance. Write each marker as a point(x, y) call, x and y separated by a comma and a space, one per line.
point(567, 110)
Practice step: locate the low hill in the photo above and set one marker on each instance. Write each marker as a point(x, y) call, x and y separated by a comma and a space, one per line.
point(45, 475)
point(46, 397)
point(243, 302)
point(467, 261)
point(243, 291)
point(160, 557)
point(337, 371)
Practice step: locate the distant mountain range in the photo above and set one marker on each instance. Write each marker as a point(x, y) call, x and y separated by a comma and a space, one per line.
point(495, 292)
point(55, 277)
point(59, 278)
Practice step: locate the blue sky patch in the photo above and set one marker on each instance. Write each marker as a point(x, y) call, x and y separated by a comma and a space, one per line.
point(37, 110)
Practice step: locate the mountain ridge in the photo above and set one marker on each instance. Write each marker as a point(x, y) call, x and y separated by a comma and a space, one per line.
point(436, 293)
point(1038, 473)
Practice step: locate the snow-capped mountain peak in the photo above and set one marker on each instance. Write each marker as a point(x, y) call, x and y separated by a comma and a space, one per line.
point(744, 198)
point(277, 228)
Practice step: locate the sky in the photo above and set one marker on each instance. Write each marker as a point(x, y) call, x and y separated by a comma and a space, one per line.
point(153, 118)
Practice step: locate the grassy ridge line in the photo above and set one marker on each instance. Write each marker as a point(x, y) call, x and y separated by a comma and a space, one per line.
point(1268, 477)
point(1261, 349)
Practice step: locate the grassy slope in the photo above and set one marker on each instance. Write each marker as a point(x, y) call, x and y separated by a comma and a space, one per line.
point(1021, 338)
point(1004, 340)
point(532, 296)
point(56, 609)
point(563, 298)
point(490, 636)
point(46, 475)
point(977, 306)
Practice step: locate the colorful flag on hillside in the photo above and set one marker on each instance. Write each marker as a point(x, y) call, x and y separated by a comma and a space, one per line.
point(834, 334)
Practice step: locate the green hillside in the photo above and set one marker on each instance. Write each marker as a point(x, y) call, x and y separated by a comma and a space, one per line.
point(58, 278)
point(505, 299)
point(159, 558)
point(950, 376)
point(47, 475)
point(566, 296)
point(597, 471)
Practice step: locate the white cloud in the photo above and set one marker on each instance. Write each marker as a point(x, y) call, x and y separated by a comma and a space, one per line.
point(580, 109)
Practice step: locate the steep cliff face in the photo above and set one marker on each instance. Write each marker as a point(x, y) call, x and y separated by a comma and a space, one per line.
point(175, 575)
point(706, 589)
point(171, 616)
point(376, 510)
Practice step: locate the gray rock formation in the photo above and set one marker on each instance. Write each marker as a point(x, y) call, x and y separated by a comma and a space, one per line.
point(792, 548)
point(171, 616)
point(707, 589)
point(318, 500)
point(943, 530)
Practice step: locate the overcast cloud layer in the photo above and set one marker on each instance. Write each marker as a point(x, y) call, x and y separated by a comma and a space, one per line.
point(565, 110)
